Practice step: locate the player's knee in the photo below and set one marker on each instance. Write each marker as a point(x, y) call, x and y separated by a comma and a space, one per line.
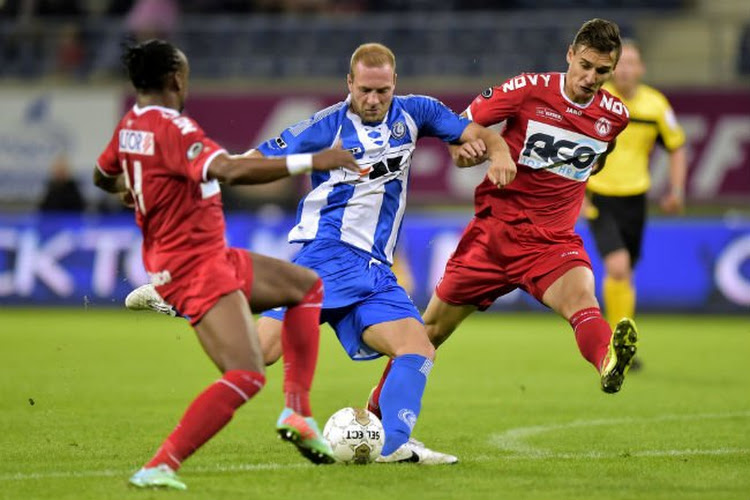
point(271, 354)
point(269, 336)
point(619, 273)
point(252, 364)
point(309, 278)
point(581, 299)
point(617, 265)
point(304, 280)
point(421, 346)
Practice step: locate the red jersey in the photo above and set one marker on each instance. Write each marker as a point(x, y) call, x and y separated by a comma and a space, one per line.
point(554, 142)
point(164, 157)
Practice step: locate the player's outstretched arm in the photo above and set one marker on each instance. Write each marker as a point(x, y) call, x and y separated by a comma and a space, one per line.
point(255, 169)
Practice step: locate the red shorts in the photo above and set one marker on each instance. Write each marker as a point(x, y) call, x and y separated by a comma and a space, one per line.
point(495, 257)
point(198, 289)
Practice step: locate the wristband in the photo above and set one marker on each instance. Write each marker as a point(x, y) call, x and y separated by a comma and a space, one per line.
point(299, 164)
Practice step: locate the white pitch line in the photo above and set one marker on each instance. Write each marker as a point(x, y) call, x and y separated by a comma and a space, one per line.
point(512, 440)
point(22, 476)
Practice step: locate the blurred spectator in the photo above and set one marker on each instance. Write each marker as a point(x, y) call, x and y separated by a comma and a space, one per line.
point(70, 51)
point(146, 19)
point(152, 19)
point(62, 193)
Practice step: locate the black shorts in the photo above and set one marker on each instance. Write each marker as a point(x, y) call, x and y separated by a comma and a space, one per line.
point(619, 224)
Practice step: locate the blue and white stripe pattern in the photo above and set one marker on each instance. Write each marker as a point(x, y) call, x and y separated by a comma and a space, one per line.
point(363, 211)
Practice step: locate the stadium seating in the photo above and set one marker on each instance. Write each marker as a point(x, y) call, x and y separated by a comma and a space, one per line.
point(270, 46)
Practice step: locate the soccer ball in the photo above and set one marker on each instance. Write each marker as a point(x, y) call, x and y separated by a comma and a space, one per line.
point(356, 435)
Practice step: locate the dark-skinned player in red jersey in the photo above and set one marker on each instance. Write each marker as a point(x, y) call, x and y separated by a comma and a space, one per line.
point(171, 170)
point(559, 128)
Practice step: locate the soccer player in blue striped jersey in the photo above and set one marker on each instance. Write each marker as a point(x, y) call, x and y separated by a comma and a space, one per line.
point(349, 225)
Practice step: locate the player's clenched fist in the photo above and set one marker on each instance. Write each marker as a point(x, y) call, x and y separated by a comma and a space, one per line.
point(470, 153)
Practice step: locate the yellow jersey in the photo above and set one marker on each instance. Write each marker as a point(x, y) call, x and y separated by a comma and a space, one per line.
point(626, 171)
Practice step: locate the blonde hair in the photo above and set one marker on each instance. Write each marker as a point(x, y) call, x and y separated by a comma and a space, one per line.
point(372, 55)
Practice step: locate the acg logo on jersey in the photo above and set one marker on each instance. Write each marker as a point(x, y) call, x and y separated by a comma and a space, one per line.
point(560, 151)
point(136, 142)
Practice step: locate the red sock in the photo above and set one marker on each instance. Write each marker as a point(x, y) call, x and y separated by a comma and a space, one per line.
point(373, 404)
point(300, 338)
point(592, 334)
point(207, 415)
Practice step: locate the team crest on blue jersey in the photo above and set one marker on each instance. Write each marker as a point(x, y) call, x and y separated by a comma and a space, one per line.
point(399, 129)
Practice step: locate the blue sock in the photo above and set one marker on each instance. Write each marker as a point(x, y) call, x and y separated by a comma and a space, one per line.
point(401, 398)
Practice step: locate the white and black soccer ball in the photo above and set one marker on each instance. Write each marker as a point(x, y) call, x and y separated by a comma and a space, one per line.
point(355, 434)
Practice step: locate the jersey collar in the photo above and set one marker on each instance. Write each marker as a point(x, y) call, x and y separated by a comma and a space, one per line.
point(139, 111)
point(568, 99)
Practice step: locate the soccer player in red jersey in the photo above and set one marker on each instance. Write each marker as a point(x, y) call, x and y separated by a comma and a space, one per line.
point(559, 128)
point(171, 172)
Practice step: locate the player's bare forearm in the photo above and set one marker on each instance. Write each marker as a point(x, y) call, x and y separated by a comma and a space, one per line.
point(109, 184)
point(502, 168)
point(678, 170)
point(468, 154)
point(673, 201)
point(472, 149)
point(480, 144)
point(254, 168)
point(244, 170)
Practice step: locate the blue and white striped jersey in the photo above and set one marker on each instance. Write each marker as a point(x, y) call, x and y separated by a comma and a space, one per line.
point(363, 211)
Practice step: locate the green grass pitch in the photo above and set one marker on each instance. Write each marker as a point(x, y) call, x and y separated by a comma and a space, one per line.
point(87, 395)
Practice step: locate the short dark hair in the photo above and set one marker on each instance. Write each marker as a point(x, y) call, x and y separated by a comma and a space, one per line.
point(600, 35)
point(149, 63)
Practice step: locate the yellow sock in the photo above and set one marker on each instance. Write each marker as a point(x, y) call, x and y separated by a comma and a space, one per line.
point(619, 299)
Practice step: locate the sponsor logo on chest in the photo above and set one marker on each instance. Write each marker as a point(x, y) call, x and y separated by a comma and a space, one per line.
point(548, 113)
point(561, 151)
point(136, 142)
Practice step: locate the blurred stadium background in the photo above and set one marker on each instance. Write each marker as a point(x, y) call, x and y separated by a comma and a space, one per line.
point(258, 66)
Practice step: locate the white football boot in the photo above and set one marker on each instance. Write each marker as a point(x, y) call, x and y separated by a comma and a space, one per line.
point(161, 476)
point(146, 298)
point(414, 451)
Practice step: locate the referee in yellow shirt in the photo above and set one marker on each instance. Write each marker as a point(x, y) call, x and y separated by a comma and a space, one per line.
point(617, 208)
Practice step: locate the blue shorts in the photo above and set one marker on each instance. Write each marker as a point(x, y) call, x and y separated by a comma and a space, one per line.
point(359, 292)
